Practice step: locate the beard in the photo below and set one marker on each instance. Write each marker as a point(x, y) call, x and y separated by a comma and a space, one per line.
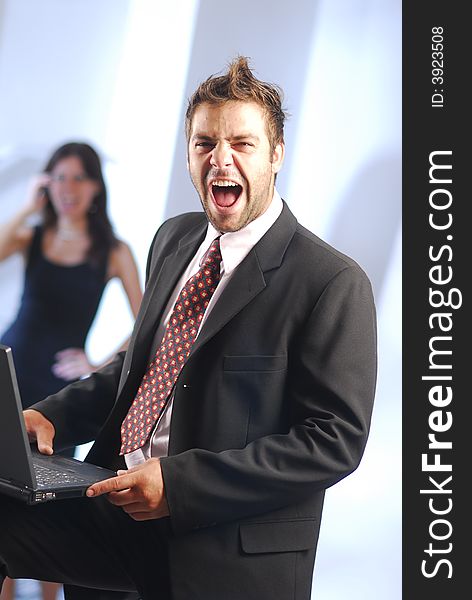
point(252, 201)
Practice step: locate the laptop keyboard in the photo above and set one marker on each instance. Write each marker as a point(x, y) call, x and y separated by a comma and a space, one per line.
point(47, 477)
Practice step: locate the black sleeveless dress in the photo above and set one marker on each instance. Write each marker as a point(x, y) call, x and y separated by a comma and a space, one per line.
point(57, 309)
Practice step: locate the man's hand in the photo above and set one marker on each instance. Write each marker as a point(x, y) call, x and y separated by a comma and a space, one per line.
point(139, 491)
point(39, 429)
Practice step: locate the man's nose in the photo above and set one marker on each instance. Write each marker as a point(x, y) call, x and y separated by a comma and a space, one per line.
point(221, 156)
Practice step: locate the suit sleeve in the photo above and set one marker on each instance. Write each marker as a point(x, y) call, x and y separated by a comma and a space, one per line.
point(330, 392)
point(79, 410)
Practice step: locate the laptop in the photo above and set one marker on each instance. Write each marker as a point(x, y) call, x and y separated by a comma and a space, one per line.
point(26, 474)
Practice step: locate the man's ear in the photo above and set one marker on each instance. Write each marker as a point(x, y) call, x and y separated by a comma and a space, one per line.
point(278, 157)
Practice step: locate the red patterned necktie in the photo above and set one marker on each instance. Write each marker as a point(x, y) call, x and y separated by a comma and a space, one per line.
point(180, 334)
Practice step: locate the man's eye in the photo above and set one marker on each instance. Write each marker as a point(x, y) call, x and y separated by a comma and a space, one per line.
point(203, 145)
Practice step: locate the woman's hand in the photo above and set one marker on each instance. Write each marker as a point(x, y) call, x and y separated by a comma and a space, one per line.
point(72, 363)
point(16, 234)
point(36, 195)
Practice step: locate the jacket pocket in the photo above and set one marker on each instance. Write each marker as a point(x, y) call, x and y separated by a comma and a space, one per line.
point(255, 363)
point(278, 536)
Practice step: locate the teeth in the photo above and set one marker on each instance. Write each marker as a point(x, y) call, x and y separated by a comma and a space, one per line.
point(225, 183)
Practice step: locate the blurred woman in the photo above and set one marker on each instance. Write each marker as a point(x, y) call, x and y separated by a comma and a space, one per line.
point(69, 258)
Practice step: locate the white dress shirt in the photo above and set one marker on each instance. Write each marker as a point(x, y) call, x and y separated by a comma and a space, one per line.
point(234, 247)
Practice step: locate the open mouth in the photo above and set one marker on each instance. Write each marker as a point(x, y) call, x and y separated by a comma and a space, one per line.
point(68, 201)
point(225, 192)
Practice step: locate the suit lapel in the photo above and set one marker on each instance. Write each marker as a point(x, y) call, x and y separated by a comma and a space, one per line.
point(161, 283)
point(246, 282)
point(248, 279)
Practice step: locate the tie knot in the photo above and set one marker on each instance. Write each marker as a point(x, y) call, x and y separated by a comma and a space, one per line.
point(212, 257)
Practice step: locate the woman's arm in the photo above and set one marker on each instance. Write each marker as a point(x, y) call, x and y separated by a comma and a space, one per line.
point(15, 235)
point(123, 266)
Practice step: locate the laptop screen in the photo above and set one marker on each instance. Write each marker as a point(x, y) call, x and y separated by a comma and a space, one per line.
point(15, 453)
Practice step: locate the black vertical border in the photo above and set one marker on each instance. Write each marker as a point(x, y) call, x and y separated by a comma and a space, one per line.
point(428, 128)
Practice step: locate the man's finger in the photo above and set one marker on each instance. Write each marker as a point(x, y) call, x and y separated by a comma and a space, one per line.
point(114, 484)
point(45, 448)
point(142, 516)
point(135, 507)
point(40, 429)
point(121, 498)
point(44, 443)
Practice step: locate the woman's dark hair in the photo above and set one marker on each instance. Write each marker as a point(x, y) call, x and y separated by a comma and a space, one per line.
point(99, 225)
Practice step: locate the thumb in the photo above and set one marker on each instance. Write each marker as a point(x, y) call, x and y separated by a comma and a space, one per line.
point(44, 441)
point(39, 428)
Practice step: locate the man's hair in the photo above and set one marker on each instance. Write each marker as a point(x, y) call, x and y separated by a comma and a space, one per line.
point(240, 84)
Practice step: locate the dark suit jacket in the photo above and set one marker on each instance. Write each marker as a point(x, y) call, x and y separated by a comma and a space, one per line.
point(272, 407)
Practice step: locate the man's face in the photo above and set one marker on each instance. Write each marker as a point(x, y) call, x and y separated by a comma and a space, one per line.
point(231, 164)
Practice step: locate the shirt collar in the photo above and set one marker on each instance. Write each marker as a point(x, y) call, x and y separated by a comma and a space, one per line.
point(235, 245)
